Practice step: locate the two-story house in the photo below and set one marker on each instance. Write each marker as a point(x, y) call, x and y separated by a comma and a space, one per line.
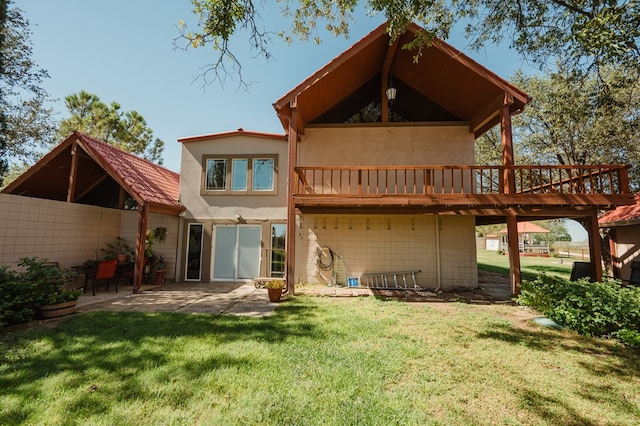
point(376, 176)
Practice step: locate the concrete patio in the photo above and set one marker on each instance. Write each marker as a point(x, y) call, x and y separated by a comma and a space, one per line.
point(245, 300)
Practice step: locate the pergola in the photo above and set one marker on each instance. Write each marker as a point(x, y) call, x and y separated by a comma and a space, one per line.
point(84, 170)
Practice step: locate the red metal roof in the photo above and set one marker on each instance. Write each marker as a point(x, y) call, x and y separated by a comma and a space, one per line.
point(528, 228)
point(143, 180)
point(238, 132)
point(150, 182)
point(623, 215)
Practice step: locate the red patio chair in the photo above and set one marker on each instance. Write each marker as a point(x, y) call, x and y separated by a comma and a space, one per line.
point(106, 271)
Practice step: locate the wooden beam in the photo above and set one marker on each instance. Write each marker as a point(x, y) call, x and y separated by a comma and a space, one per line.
point(508, 182)
point(73, 173)
point(514, 253)
point(595, 246)
point(384, 82)
point(488, 113)
point(141, 238)
point(91, 187)
point(290, 244)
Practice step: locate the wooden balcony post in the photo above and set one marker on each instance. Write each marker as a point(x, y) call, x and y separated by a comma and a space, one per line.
point(290, 244)
point(508, 178)
point(595, 247)
point(514, 253)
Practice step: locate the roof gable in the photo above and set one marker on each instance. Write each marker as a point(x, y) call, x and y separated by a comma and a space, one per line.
point(100, 171)
point(444, 85)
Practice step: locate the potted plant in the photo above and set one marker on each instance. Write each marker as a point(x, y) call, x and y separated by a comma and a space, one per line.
point(47, 281)
point(274, 288)
point(121, 250)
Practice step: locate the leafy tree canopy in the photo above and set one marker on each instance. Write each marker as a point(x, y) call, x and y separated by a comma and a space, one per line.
point(583, 33)
point(27, 124)
point(125, 130)
point(575, 118)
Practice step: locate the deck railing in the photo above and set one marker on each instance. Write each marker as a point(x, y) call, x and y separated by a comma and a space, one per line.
point(452, 180)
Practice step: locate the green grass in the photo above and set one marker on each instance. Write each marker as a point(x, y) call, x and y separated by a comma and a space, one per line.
point(530, 267)
point(317, 361)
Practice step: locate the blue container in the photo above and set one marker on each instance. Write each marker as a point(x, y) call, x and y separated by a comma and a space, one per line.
point(353, 282)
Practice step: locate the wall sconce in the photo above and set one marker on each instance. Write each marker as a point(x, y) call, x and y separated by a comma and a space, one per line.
point(240, 219)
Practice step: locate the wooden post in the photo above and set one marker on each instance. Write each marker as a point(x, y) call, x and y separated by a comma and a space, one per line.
point(138, 268)
point(595, 247)
point(514, 253)
point(290, 245)
point(508, 178)
point(73, 174)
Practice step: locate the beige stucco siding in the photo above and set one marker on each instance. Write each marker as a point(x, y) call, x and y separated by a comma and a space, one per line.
point(387, 146)
point(627, 248)
point(389, 243)
point(223, 206)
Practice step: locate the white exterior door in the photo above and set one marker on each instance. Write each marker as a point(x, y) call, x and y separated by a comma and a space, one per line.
point(236, 252)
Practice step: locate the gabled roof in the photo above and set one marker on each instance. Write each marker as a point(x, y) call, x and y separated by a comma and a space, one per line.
point(232, 133)
point(444, 85)
point(99, 174)
point(528, 228)
point(623, 215)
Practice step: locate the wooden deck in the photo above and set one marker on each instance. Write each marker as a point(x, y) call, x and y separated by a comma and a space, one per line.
point(467, 186)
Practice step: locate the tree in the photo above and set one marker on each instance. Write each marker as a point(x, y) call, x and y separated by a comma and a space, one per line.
point(27, 124)
point(125, 130)
point(576, 118)
point(583, 33)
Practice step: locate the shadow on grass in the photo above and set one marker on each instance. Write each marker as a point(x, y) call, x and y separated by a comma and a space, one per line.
point(87, 347)
point(601, 358)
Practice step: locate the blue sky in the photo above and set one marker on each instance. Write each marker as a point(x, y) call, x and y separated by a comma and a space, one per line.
point(122, 50)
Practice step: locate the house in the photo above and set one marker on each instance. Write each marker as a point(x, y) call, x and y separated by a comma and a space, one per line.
point(380, 175)
point(622, 227)
point(373, 177)
point(81, 196)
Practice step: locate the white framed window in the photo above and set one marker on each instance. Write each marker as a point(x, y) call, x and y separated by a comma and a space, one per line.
point(238, 175)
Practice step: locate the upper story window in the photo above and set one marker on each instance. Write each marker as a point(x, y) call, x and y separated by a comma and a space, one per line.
point(251, 174)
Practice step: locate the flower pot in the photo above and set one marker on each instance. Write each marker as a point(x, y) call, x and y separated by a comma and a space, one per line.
point(274, 294)
point(58, 309)
point(123, 258)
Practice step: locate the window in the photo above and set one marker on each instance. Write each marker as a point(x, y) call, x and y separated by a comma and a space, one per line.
point(263, 174)
point(216, 178)
point(239, 174)
point(252, 174)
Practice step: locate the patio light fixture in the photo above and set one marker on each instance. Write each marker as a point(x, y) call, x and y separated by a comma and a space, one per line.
point(391, 93)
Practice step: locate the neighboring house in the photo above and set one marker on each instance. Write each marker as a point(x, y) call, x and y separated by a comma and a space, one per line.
point(81, 196)
point(379, 166)
point(234, 188)
point(622, 226)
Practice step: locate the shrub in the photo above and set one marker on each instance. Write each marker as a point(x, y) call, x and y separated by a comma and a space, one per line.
point(21, 293)
point(603, 309)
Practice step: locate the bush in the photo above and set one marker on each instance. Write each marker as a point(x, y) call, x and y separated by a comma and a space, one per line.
point(21, 293)
point(604, 309)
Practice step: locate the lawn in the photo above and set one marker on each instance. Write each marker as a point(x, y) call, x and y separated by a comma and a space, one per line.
point(316, 361)
point(530, 267)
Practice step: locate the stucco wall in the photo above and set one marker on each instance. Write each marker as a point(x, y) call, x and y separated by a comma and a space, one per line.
point(62, 232)
point(250, 207)
point(627, 248)
point(389, 146)
point(377, 244)
point(70, 233)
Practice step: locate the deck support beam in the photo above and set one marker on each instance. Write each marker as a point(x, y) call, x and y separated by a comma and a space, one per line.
point(290, 244)
point(141, 239)
point(514, 253)
point(595, 246)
